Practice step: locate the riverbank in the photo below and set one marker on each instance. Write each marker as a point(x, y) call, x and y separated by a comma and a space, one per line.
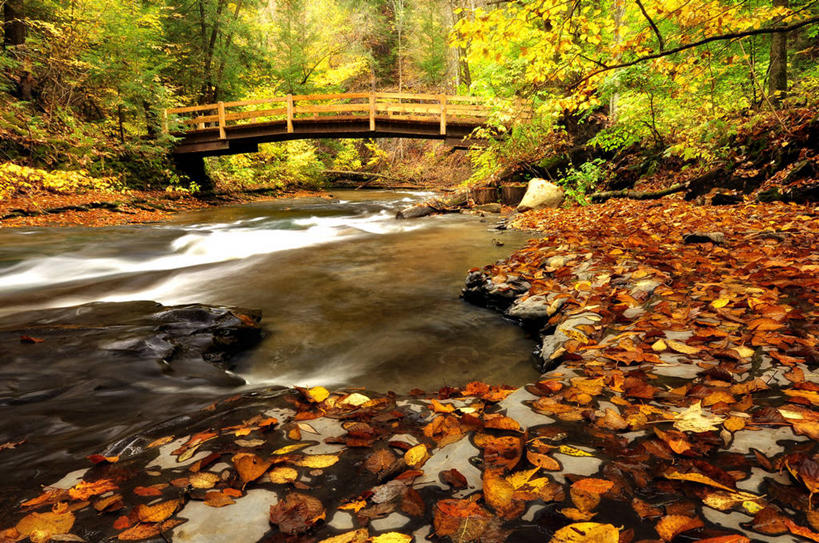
point(98, 208)
point(679, 400)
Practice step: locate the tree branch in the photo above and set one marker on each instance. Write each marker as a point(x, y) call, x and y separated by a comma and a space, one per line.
point(651, 23)
point(721, 37)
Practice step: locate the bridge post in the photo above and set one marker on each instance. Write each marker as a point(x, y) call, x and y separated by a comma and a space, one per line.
point(193, 167)
point(442, 99)
point(289, 113)
point(221, 108)
point(372, 112)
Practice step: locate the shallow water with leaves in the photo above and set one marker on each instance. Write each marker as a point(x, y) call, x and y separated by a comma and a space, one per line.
point(350, 296)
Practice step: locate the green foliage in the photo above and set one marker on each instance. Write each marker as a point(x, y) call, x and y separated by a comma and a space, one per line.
point(276, 165)
point(577, 182)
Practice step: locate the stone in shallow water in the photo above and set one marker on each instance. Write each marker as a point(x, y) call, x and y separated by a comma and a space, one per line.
point(516, 409)
point(70, 479)
point(393, 521)
point(455, 455)
point(244, 521)
point(764, 441)
point(342, 520)
point(576, 465)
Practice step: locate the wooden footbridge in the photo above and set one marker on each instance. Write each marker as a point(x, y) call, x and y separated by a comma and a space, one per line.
point(239, 127)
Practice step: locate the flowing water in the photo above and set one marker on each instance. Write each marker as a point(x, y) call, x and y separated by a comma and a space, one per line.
point(350, 297)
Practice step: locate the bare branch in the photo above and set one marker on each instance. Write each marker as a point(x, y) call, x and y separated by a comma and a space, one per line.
point(651, 23)
point(720, 37)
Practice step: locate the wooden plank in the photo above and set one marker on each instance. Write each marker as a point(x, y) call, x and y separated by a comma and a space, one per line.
point(200, 120)
point(372, 112)
point(189, 109)
point(443, 114)
point(289, 113)
point(221, 120)
point(337, 96)
point(274, 99)
point(256, 114)
point(331, 108)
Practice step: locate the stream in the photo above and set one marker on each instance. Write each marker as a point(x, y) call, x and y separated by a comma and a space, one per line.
point(350, 297)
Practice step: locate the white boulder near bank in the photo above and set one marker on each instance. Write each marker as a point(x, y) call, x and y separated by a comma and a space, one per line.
point(540, 194)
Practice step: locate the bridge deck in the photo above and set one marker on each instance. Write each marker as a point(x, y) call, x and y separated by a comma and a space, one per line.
point(239, 127)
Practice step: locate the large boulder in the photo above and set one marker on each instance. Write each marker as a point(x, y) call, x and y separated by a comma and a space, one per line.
point(540, 194)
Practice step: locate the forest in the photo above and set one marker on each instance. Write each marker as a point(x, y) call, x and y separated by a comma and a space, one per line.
point(407, 271)
point(627, 86)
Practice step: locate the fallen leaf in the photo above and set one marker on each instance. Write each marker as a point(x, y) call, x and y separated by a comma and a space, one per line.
point(250, 466)
point(296, 513)
point(39, 527)
point(218, 499)
point(416, 456)
point(356, 536)
point(672, 525)
point(316, 461)
point(157, 513)
point(586, 532)
point(283, 475)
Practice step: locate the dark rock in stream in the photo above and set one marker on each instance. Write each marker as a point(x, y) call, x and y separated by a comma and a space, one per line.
point(188, 340)
point(74, 378)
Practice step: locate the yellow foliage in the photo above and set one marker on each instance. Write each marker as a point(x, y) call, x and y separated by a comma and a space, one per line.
point(18, 180)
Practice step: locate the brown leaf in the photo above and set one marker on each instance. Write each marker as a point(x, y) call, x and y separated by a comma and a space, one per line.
point(380, 461)
point(453, 478)
point(250, 466)
point(215, 498)
point(296, 513)
point(670, 526)
point(84, 489)
point(157, 513)
point(145, 531)
point(41, 526)
point(586, 532)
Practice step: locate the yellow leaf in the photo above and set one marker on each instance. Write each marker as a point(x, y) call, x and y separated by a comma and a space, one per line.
point(392, 537)
point(290, 448)
point(43, 525)
point(698, 478)
point(356, 536)
point(682, 347)
point(520, 478)
point(416, 456)
point(722, 302)
point(693, 420)
point(283, 475)
point(573, 451)
point(355, 399)
point(316, 461)
point(587, 532)
point(318, 394)
point(659, 346)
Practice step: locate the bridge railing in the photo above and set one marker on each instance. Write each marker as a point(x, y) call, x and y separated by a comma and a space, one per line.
point(289, 109)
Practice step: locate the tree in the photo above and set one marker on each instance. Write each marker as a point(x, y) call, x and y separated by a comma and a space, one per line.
point(14, 27)
point(778, 72)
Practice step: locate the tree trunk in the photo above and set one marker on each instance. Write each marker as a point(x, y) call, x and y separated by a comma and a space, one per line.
point(14, 29)
point(778, 73)
point(618, 11)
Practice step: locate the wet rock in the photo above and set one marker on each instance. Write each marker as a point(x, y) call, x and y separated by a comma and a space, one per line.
point(552, 347)
point(533, 308)
point(489, 208)
point(540, 194)
point(482, 290)
point(414, 212)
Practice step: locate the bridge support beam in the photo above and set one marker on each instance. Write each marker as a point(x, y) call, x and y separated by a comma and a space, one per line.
point(193, 167)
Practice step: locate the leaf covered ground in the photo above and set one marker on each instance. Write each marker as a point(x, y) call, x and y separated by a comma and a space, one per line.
point(679, 403)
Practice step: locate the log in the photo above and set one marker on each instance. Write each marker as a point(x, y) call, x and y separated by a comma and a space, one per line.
point(369, 176)
point(636, 194)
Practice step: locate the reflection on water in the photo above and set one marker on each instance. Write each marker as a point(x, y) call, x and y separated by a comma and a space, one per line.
point(350, 297)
